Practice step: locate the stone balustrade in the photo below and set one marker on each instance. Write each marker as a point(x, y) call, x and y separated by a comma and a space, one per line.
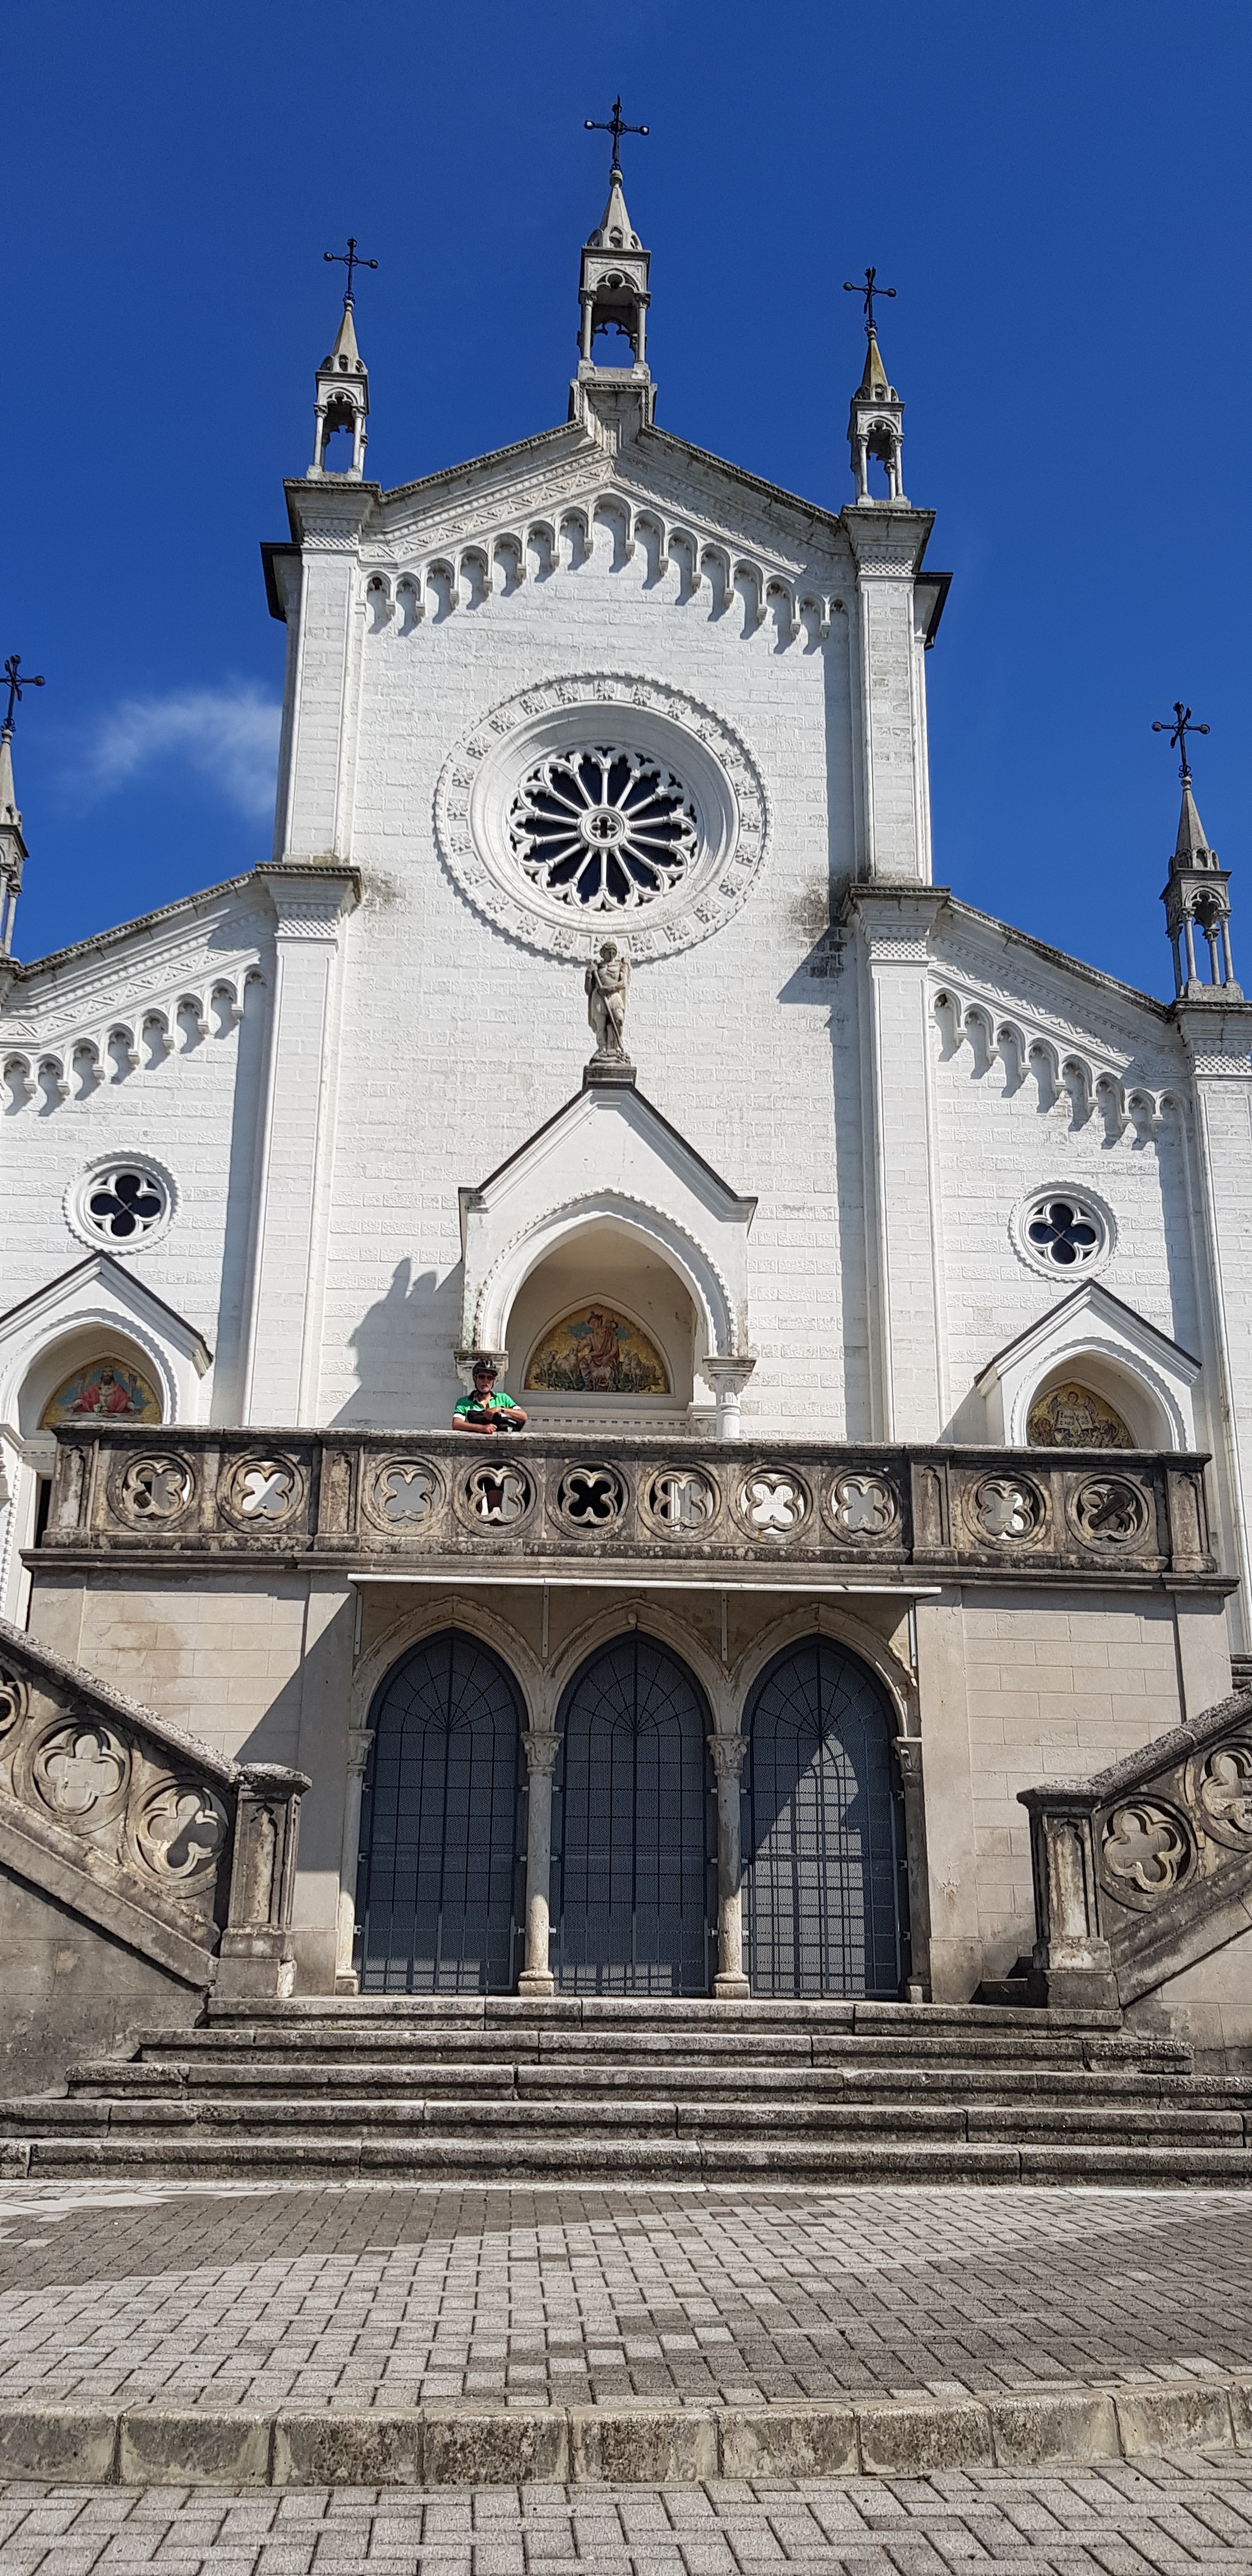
point(759, 1512)
point(1146, 1868)
point(147, 1834)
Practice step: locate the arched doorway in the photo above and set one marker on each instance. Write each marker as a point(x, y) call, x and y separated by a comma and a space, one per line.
point(634, 1871)
point(825, 1893)
point(438, 1893)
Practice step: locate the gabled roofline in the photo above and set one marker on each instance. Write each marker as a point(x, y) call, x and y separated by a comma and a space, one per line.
point(98, 1261)
point(448, 475)
point(1087, 1288)
point(21, 973)
point(1094, 975)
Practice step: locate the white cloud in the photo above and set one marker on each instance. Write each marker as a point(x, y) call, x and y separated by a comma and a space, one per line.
point(228, 735)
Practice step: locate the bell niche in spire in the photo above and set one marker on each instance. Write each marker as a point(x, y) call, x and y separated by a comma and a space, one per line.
point(613, 285)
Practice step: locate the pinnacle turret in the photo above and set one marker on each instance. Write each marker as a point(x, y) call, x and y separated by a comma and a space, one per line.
point(13, 852)
point(1196, 892)
point(343, 385)
point(613, 290)
point(876, 419)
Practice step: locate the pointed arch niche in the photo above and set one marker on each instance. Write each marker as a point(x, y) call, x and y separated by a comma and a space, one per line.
point(608, 1212)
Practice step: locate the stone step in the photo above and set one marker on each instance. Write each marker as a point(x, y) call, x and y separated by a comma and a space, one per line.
point(591, 2160)
point(561, 2045)
point(648, 2117)
point(621, 2012)
point(289, 2078)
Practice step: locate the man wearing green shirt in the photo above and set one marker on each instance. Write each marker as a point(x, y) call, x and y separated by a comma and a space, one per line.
point(484, 1410)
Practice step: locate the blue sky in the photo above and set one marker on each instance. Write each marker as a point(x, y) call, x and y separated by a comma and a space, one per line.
point(1058, 193)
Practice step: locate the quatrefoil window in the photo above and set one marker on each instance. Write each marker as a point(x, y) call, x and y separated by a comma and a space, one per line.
point(1062, 1231)
point(604, 829)
point(121, 1204)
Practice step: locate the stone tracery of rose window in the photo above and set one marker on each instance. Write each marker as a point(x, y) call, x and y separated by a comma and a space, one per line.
point(603, 828)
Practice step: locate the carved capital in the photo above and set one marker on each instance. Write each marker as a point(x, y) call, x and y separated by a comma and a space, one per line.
point(541, 1751)
point(726, 1753)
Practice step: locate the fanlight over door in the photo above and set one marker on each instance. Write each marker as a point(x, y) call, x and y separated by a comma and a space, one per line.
point(437, 1893)
point(634, 1877)
point(823, 1842)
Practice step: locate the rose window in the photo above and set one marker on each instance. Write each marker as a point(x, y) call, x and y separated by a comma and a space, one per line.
point(607, 829)
point(124, 1202)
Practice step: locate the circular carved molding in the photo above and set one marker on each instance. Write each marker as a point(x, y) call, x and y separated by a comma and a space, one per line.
point(1220, 1787)
point(261, 1493)
point(178, 1835)
point(1108, 1511)
point(589, 1499)
point(81, 1774)
point(1006, 1509)
point(1147, 1850)
point(402, 1493)
point(481, 782)
point(862, 1509)
point(678, 1502)
point(13, 1701)
point(773, 1503)
point(156, 1488)
point(497, 1493)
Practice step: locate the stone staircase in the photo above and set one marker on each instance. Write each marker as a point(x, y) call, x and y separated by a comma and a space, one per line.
point(590, 2090)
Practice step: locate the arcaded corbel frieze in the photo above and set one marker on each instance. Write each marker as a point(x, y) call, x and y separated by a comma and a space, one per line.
point(477, 567)
point(70, 1063)
point(1076, 1082)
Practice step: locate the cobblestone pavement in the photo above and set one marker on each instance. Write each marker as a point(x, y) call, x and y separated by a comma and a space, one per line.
point(351, 2295)
point(1171, 2517)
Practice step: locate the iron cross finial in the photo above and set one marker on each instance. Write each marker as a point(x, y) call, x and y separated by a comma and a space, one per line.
point(351, 258)
point(33, 680)
point(1178, 732)
point(867, 293)
point(614, 125)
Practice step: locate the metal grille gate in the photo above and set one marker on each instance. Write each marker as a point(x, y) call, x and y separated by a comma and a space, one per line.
point(824, 1870)
point(437, 1893)
point(634, 1877)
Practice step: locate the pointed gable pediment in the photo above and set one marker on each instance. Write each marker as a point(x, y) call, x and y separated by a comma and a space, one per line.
point(607, 1153)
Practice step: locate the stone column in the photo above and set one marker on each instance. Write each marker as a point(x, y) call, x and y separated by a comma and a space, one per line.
point(360, 1739)
point(908, 1749)
point(729, 1378)
point(730, 1983)
point(1071, 1966)
point(255, 1954)
point(541, 1750)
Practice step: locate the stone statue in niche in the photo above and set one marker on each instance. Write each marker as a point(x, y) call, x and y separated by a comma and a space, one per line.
point(607, 983)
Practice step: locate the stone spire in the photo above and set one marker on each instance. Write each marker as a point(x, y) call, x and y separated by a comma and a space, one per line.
point(343, 387)
point(1196, 892)
point(613, 291)
point(876, 426)
point(12, 846)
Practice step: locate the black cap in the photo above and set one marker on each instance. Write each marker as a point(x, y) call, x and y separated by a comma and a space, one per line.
point(482, 1362)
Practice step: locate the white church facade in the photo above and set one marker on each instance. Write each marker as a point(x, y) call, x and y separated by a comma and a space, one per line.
point(873, 1279)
